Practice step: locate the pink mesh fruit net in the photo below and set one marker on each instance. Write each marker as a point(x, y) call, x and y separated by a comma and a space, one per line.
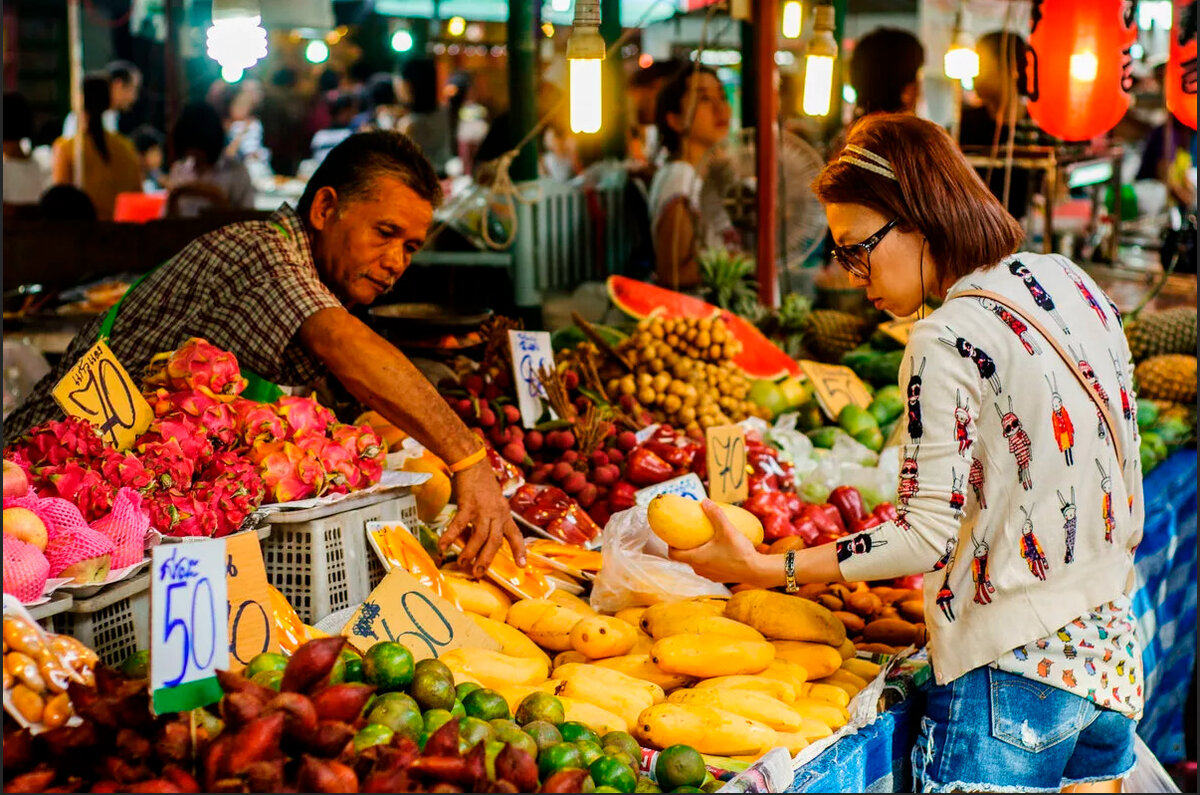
point(126, 525)
point(25, 569)
point(81, 543)
point(59, 516)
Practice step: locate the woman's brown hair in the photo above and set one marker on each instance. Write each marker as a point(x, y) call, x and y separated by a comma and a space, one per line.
point(936, 192)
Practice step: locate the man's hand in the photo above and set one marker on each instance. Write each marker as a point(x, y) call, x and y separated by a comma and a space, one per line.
point(485, 519)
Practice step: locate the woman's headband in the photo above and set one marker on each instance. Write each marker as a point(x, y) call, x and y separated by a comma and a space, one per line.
point(868, 160)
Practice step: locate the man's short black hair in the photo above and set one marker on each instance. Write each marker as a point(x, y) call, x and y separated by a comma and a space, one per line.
point(998, 41)
point(885, 62)
point(351, 167)
point(18, 117)
point(123, 71)
point(672, 98)
point(199, 128)
point(145, 138)
point(66, 203)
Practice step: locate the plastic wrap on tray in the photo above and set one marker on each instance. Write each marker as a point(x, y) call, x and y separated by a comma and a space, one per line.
point(38, 667)
point(555, 513)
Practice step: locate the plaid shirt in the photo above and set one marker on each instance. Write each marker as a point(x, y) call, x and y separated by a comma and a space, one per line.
point(246, 288)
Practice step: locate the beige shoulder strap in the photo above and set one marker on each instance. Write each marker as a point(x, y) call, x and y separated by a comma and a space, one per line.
point(1072, 365)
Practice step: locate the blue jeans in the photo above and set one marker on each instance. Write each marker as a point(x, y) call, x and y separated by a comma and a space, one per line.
point(992, 731)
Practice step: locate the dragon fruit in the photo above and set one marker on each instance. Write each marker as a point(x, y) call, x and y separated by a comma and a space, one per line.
point(230, 487)
point(342, 474)
point(25, 569)
point(125, 469)
point(171, 467)
point(126, 526)
point(215, 416)
point(258, 422)
point(58, 442)
point(304, 416)
point(198, 364)
point(85, 488)
point(184, 429)
point(288, 472)
point(177, 514)
point(82, 554)
point(368, 450)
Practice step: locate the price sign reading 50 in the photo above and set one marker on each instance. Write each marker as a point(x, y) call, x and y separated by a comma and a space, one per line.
point(189, 636)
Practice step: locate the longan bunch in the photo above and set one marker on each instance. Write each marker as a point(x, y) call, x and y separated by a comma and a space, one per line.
point(703, 339)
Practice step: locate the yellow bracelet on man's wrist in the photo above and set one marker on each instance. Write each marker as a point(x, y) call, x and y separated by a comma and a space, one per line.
point(468, 462)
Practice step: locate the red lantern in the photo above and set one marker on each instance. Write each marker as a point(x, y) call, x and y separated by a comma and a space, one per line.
point(1181, 67)
point(1079, 69)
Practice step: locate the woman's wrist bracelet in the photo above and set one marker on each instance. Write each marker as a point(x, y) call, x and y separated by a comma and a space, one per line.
point(789, 572)
point(468, 462)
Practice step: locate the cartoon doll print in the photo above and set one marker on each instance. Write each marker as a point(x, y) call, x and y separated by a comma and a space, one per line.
point(1031, 550)
point(1037, 292)
point(1021, 653)
point(1069, 652)
point(1126, 404)
point(947, 557)
point(1106, 506)
point(1062, 634)
point(962, 422)
point(915, 428)
point(979, 573)
point(859, 544)
point(983, 363)
point(908, 476)
point(1064, 430)
point(1070, 522)
point(1085, 367)
point(958, 497)
point(976, 481)
point(1014, 323)
point(1044, 666)
point(945, 596)
point(1018, 444)
point(1086, 294)
point(1116, 312)
point(1089, 665)
point(1068, 677)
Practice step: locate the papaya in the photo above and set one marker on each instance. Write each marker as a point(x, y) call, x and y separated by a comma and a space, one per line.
point(704, 625)
point(626, 703)
point(512, 641)
point(707, 729)
point(595, 718)
point(825, 690)
point(831, 715)
point(682, 523)
point(639, 666)
point(751, 704)
point(861, 668)
point(478, 597)
point(776, 688)
point(603, 636)
point(785, 617)
point(493, 669)
point(546, 623)
point(817, 659)
point(711, 655)
point(567, 657)
point(677, 611)
point(571, 602)
point(630, 615)
point(787, 672)
point(434, 494)
point(601, 677)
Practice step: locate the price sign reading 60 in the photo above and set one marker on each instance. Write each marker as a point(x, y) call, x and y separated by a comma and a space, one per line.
point(189, 636)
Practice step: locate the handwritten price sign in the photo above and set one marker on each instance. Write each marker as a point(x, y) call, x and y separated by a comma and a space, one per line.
point(403, 610)
point(531, 351)
point(99, 390)
point(251, 628)
point(189, 637)
point(835, 387)
point(688, 485)
point(726, 456)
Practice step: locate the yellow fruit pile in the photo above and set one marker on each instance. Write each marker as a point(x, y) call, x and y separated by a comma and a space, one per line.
point(733, 677)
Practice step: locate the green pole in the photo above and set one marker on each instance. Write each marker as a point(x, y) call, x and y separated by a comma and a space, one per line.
point(840, 68)
point(522, 85)
point(614, 119)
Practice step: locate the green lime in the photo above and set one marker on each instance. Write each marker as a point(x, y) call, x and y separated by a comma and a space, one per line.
point(646, 784)
point(436, 719)
point(137, 665)
point(590, 750)
point(372, 734)
point(613, 752)
point(432, 688)
point(472, 731)
point(574, 731)
point(460, 692)
point(540, 706)
point(354, 670)
point(486, 705)
point(624, 741)
point(546, 735)
point(609, 772)
point(401, 718)
point(510, 733)
point(267, 661)
point(388, 666)
point(403, 698)
point(457, 710)
point(337, 674)
point(558, 757)
point(431, 666)
point(271, 679)
point(712, 786)
point(679, 766)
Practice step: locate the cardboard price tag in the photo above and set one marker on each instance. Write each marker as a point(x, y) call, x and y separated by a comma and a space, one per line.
point(189, 636)
point(899, 330)
point(835, 387)
point(251, 625)
point(403, 610)
point(531, 351)
point(689, 485)
point(98, 389)
point(726, 456)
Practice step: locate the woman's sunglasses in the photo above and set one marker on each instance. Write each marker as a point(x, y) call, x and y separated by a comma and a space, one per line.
point(856, 257)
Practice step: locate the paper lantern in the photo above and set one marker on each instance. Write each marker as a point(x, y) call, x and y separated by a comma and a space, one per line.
point(1079, 70)
point(1181, 66)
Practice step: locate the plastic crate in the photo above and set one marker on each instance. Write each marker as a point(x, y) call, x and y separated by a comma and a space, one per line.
point(320, 560)
point(115, 622)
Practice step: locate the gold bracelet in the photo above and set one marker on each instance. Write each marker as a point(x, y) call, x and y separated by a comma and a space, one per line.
point(468, 462)
point(789, 571)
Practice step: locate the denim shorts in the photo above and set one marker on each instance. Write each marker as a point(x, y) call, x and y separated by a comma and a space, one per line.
point(992, 731)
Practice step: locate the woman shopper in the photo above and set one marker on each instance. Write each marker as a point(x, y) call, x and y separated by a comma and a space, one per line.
point(1025, 510)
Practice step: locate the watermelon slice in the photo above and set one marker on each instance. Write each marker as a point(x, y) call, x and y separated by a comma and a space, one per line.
point(760, 358)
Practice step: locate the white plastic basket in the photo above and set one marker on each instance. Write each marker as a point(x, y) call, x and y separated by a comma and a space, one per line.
point(320, 560)
point(115, 622)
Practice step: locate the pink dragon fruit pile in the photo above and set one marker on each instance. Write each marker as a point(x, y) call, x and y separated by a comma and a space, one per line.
point(210, 457)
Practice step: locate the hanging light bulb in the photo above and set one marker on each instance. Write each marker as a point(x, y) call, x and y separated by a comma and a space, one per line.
point(961, 62)
point(585, 52)
point(456, 26)
point(818, 64)
point(236, 40)
point(793, 19)
point(402, 40)
point(317, 51)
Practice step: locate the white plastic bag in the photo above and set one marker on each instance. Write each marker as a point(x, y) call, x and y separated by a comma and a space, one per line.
point(1149, 775)
point(636, 569)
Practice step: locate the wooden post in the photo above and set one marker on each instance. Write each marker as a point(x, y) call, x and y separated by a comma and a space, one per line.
point(172, 85)
point(766, 31)
point(75, 34)
point(522, 86)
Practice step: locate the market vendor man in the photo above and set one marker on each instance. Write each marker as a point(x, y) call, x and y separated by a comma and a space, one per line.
point(275, 293)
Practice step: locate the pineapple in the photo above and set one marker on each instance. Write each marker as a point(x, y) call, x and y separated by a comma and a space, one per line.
point(1168, 377)
point(729, 280)
point(832, 334)
point(1158, 333)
